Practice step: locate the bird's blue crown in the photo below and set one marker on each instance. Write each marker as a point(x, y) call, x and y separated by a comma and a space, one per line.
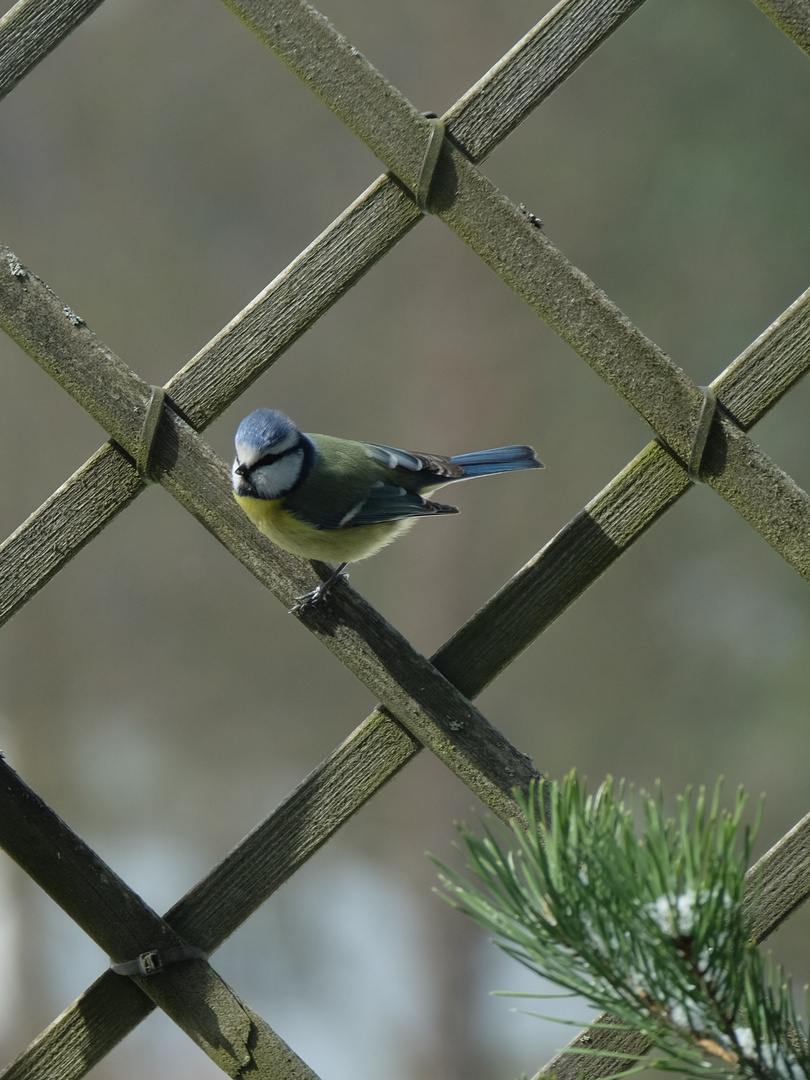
point(267, 428)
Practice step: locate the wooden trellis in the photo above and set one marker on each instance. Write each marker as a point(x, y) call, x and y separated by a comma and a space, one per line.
point(155, 437)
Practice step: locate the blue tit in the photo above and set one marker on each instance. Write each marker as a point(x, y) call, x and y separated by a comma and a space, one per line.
point(338, 500)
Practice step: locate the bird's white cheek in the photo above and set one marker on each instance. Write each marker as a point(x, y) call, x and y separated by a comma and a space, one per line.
point(272, 481)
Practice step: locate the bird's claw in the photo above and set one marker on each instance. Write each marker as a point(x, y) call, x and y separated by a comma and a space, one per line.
point(317, 594)
point(309, 599)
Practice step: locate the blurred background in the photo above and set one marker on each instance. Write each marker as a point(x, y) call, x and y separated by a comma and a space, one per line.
point(158, 170)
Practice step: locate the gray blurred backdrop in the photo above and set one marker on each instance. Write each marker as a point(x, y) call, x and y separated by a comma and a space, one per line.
point(158, 170)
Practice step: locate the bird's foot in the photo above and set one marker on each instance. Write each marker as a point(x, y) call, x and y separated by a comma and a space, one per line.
point(316, 595)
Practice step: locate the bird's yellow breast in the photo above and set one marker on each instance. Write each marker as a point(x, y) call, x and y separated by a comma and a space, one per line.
point(329, 545)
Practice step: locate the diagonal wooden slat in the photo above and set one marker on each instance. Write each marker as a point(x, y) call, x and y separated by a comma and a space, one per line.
point(65, 523)
point(83, 1034)
point(792, 17)
point(191, 992)
point(779, 882)
point(769, 367)
point(531, 70)
point(33, 28)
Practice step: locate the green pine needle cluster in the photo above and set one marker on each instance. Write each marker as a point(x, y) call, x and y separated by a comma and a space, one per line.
point(641, 915)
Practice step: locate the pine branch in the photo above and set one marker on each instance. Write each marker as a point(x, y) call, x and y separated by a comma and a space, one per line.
point(648, 927)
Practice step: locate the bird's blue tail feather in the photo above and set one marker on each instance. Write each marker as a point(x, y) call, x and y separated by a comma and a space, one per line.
point(501, 459)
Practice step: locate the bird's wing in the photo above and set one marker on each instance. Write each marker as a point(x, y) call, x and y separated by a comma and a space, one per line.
point(434, 465)
point(385, 502)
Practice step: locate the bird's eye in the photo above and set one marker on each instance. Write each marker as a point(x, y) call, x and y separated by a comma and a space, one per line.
point(266, 459)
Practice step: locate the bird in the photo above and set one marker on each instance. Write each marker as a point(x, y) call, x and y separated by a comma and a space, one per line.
point(338, 500)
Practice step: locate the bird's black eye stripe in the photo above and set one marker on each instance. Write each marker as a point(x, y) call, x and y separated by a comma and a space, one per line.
point(266, 459)
point(245, 470)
